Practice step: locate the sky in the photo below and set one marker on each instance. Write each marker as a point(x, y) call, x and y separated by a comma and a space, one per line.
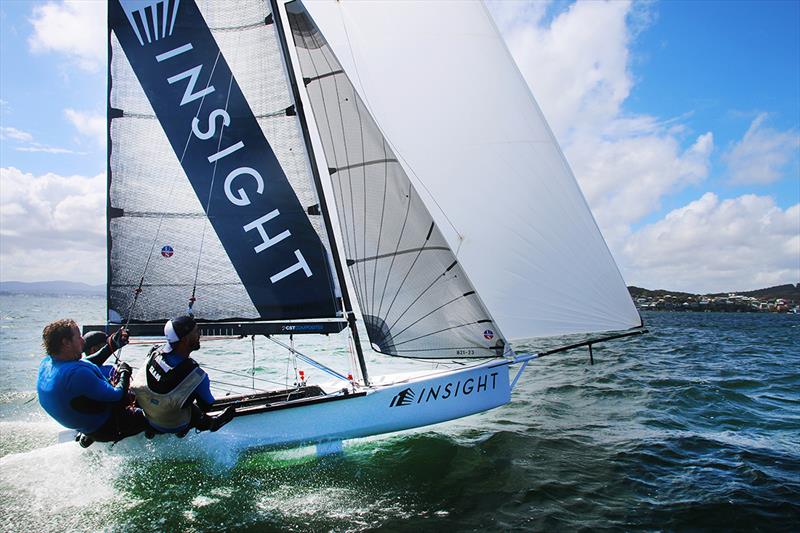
point(681, 121)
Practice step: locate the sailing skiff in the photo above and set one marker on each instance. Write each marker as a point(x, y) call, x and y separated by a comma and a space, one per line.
point(285, 168)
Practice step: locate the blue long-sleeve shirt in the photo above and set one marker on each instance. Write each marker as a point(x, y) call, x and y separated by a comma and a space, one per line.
point(76, 394)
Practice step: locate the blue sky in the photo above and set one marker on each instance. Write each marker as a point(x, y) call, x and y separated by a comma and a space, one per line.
point(722, 63)
point(36, 89)
point(680, 120)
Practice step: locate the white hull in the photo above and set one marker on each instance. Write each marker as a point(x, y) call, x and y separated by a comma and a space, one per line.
point(407, 402)
point(413, 403)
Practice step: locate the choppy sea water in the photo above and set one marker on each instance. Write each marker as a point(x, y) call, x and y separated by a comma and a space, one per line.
point(694, 426)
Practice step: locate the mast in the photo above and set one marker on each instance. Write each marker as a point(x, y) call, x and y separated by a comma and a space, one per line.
point(348, 307)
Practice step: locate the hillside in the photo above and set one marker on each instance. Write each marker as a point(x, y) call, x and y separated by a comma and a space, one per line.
point(787, 292)
point(52, 287)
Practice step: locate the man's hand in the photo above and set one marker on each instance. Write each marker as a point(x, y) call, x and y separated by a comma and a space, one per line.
point(124, 372)
point(118, 339)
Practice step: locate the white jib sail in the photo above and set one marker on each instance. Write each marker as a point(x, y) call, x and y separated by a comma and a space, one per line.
point(448, 96)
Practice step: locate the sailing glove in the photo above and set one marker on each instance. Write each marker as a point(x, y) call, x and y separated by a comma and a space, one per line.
point(118, 339)
point(124, 373)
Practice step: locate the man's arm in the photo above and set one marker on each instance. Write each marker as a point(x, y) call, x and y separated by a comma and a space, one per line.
point(99, 358)
point(202, 394)
point(113, 343)
point(89, 382)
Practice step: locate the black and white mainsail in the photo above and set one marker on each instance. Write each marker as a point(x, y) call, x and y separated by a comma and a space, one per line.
point(211, 198)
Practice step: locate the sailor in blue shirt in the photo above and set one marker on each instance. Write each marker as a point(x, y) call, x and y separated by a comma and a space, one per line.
point(78, 394)
point(173, 390)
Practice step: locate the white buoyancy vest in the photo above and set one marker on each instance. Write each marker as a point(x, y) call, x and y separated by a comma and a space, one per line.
point(166, 410)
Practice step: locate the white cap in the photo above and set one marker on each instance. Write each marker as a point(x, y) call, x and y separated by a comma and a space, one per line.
point(170, 335)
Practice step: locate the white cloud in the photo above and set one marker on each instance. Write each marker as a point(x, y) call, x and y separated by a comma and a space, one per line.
point(38, 148)
point(625, 179)
point(713, 245)
point(28, 144)
point(52, 223)
point(74, 28)
point(89, 124)
point(15, 134)
point(577, 65)
point(762, 155)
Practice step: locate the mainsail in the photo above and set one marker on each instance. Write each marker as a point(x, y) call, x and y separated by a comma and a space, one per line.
point(210, 190)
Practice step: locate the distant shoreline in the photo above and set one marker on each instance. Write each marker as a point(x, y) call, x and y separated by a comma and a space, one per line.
point(778, 299)
point(51, 288)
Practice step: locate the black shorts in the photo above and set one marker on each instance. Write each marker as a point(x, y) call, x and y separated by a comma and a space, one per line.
point(124, 422)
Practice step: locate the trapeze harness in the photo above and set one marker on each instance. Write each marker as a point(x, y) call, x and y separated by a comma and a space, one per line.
point(162, 391)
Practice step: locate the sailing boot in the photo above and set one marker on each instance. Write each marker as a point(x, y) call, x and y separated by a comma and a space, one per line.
point(84, 440)
point(222, 419)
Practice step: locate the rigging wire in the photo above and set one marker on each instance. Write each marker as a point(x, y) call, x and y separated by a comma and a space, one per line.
point(311, 361)
point(223, 389)
point(192, 299)
point(240, 386)
point(294, 359)
point(242, 375)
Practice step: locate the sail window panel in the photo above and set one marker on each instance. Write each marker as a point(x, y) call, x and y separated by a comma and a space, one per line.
point(222, 15)
point(255, 59)
point(416, 300)
point(146, 175)
point(127, 94)
point(169, 277)
point(153, 202)
point(158, 208)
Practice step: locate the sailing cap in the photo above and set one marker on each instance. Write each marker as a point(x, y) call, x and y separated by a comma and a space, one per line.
point(176, 329)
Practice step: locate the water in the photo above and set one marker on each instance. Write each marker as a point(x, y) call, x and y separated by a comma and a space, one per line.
point(693, 426)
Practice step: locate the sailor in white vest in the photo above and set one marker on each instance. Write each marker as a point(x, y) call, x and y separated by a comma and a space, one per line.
point(172, 389)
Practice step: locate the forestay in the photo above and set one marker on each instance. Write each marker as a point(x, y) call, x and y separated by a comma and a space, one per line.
point(414, 295)
point(210, 190)
point(447, 95)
